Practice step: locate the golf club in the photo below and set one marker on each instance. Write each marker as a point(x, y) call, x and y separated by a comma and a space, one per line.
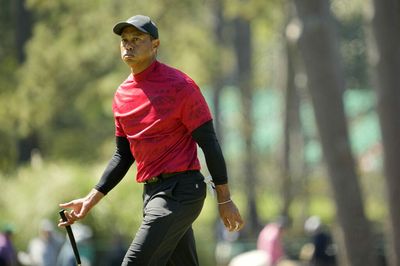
point(71, 238)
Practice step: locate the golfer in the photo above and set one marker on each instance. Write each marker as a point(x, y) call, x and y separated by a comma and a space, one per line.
point(160, 115)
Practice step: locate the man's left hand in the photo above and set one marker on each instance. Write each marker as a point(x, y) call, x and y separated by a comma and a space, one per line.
point(230, 216)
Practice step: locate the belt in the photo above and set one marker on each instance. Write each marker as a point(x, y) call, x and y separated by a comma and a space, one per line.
point(162, 176)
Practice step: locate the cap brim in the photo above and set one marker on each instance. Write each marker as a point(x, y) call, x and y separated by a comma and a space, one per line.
point(119, 27)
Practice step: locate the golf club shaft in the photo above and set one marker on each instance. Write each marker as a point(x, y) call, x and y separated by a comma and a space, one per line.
point(71, 238)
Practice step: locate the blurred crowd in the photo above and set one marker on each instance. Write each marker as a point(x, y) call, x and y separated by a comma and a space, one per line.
point(52, 248)
point(318, 250)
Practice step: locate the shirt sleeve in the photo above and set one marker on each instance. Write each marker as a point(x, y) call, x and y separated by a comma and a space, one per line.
point(119, 131)
point(194, 110)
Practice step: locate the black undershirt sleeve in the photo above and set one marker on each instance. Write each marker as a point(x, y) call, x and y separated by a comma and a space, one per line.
point(206, 138)
point(117, 167)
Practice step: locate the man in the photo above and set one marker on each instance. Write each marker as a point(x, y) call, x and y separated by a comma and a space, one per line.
point(43, 250)
point(8, 254)
point(322, 246)
point(83, 236)
point(160, 115)
point(270, 240)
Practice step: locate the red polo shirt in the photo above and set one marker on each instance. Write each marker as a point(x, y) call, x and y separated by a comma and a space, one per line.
point(156, 110)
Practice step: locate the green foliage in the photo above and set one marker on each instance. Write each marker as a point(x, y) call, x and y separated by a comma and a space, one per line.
point(7, 150)
point(62, 85)
point(354, 52)
point(253, 9)
point(35, 191)
point(7, 115)
point(8, 66)
point(62, 93)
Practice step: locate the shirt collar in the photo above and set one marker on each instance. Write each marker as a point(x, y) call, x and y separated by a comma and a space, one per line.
point(143, 75)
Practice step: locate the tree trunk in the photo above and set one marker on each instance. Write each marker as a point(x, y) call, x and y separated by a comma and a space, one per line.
point(292, 143)
point(23, 29)
point(294, 161)
point(243, 53)
point(319, 48)
point(218, 78)
point(386, 62)
point(23, 26)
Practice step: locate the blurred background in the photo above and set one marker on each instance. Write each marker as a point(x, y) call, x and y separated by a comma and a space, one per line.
point(305, 98)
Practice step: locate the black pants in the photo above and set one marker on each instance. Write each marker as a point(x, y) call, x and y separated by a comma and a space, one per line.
point(165, 236)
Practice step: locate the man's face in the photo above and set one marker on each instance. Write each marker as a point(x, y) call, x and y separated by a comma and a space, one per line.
point(137, 47)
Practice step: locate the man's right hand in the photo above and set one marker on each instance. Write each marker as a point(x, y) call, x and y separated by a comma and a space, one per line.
point(80, 207)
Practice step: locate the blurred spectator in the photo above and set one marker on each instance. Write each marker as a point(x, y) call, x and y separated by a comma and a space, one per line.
point(8, 255)
point(43, 250)
point(270, 249)
point(251, 258)
point(225, 247)
point(323, 251)
point(83, 235)
point(270, 240)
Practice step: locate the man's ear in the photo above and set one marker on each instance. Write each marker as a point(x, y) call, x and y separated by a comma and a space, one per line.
point(156, 43)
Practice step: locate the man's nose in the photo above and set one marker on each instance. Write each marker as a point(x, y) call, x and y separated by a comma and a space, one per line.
point(129, 45)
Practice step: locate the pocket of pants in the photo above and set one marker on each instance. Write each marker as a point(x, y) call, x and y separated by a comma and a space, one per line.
point(189, 188)
point(164, 190)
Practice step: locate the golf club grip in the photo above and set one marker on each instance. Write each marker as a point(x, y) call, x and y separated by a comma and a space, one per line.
point(71, 238)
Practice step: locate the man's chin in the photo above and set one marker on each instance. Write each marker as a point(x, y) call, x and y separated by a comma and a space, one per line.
point(129, 59)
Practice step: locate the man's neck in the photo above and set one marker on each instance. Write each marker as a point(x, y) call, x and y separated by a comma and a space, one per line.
point(137, 68)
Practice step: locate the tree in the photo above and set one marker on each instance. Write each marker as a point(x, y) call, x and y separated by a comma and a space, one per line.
point(65, 83)
point(217, 79)
point(243, 53)
point(318, 46)
point(293, 139)
point(246, 19)
point(14, 32)
point(23, 28)
point(8, 66)
point(386, 63)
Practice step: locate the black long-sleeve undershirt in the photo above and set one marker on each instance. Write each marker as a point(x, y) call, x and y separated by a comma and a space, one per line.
point(207, 140)
point(122, 159)
point(117, 167)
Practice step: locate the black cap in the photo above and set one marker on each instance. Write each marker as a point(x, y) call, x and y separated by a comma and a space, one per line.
point(142, 23)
